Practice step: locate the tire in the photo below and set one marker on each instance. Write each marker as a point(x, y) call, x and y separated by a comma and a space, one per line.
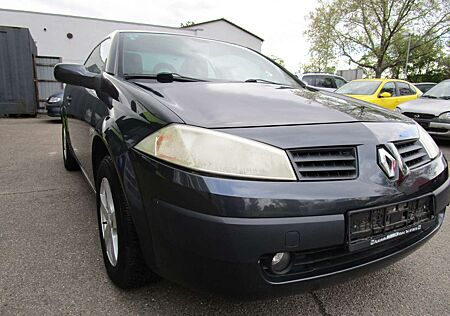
point(70, 163)
point(123, 261)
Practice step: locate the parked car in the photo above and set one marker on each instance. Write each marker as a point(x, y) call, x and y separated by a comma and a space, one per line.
point(424, 86)
point(53, 104)
point(223, 172)
point(387, 93)
point(431, 110)
point(322, 81)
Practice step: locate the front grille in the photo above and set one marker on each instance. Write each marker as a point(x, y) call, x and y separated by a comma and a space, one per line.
point(321, 164)
point(413, 153)
point(419, 115)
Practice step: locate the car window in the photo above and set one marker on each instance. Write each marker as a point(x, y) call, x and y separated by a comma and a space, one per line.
point(389, 87)
point(441, 90)
point(325, 82)
point(309, 80)
point(405, 89)
point(339, 82)
point(150, 54)
point(359, 87)
point(97, 59)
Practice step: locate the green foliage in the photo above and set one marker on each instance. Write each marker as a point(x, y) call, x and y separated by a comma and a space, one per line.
point(278, 60)
point(426, 62)
point(317, 65)
point(371, 33)
point(187, 23)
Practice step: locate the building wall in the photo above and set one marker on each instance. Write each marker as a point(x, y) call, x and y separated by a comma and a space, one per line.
point(224, 31)
point(50, 32)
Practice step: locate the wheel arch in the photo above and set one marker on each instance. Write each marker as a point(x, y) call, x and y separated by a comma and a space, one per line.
point(99, 151)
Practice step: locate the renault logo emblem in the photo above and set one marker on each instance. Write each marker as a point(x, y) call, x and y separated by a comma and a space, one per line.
point(387, 162)
point(391, 162)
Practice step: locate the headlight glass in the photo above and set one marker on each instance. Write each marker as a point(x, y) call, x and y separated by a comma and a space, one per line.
point(216, 152)
point(445, 116)
point(54, 100)
point(428, 143)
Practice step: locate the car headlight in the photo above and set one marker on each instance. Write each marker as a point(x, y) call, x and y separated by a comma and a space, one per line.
point(54, 100)
point(445, 116)
point(218, 153)
point(428, 143)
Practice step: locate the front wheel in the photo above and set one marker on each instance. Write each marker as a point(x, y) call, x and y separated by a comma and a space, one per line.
point(120, 245)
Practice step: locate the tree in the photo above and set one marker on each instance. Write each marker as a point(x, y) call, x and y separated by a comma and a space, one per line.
point(187, 23)
point(425, 62)
point(365, 31)
point(278, 60)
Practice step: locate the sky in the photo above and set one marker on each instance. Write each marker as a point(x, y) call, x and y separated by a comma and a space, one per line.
point(280, 23)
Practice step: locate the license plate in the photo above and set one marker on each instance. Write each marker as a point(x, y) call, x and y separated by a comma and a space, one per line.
point(370, 227)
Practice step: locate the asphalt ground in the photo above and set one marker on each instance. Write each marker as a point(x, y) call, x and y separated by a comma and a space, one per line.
point(50, 257)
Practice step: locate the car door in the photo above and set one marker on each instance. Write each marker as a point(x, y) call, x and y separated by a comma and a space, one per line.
point(84, 109)
point(388, 102)
point(405, 92)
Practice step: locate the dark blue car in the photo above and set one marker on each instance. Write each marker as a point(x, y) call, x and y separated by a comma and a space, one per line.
point(216, 168)
point(53, 104)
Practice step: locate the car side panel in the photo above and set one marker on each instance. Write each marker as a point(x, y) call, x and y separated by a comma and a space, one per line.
point(84, 112)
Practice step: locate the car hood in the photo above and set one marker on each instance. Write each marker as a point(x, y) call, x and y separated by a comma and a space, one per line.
point(428, 106)
point(222, 105)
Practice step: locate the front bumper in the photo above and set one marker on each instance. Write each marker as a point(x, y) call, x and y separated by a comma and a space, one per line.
point(435, 127)
point(53, 110)
point(204, 235)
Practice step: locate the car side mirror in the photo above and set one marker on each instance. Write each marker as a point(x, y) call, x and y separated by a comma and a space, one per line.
point(77, 75)
point(385, 95)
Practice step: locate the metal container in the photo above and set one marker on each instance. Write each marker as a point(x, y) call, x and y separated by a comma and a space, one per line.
point(17, 86)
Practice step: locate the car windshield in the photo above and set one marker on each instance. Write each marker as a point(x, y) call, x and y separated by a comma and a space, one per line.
point(441, 91)
point(359, 87)
point(150, 54)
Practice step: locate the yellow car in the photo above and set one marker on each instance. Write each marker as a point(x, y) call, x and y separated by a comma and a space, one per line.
point(387, 93)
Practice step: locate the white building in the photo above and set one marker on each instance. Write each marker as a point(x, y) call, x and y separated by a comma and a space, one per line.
point(72, 37)
point(227, 31)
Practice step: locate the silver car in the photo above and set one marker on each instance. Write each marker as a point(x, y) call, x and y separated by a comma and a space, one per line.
point(431, 110)
point(322, 81)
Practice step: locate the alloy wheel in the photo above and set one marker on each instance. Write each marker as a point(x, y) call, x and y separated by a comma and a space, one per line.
point(108, 222)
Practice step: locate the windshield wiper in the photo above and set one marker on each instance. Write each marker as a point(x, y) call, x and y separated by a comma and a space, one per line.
point(264, 80)
point(163, 77)
point(445, 97)
point(427, 96)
